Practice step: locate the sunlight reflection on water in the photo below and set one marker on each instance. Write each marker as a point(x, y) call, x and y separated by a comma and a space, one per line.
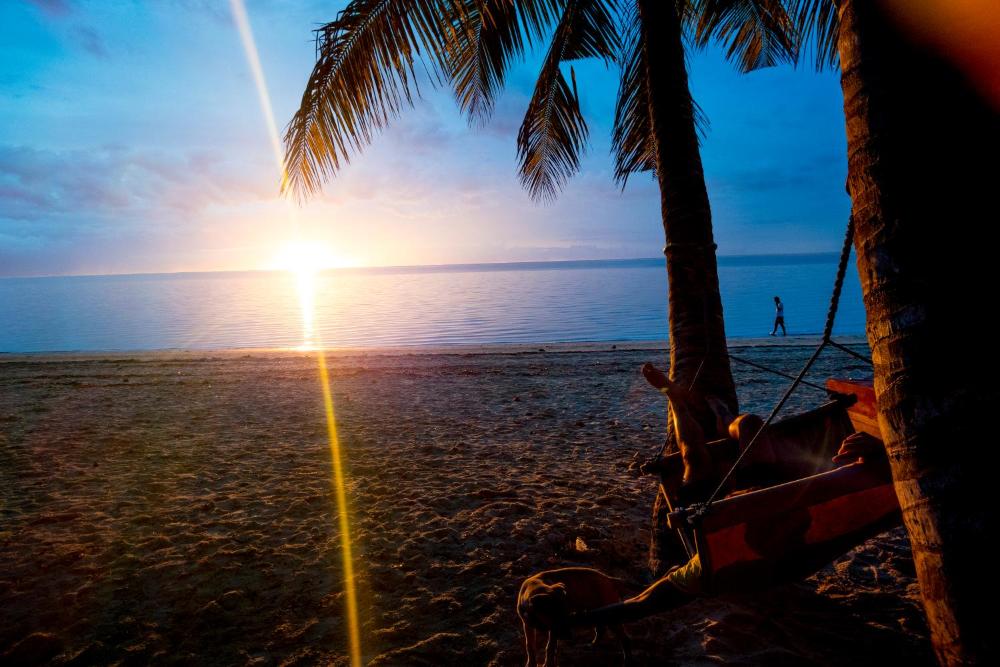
point(366, 308)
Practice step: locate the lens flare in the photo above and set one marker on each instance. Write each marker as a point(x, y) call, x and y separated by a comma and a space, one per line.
point(306, 289)
point(306, 283)
point(250, 48)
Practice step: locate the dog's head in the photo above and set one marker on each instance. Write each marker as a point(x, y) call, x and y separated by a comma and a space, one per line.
point(548, 607)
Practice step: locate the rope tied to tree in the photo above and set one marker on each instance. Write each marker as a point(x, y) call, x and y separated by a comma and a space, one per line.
point(673, 247)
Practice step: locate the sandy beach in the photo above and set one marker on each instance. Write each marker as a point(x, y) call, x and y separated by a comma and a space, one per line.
point(177, 508)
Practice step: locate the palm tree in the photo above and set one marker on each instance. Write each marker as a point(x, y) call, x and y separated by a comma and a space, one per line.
point(919, 139)
point(366, 73)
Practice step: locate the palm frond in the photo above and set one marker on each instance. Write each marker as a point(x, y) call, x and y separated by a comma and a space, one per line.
point(364, 75)
point(756, 33)
point(632, 137)
point(818, 22)
point(493, 35)
point(554, 133)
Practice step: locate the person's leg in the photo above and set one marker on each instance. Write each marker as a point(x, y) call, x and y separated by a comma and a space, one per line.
point(690, 435)
point(783, 332)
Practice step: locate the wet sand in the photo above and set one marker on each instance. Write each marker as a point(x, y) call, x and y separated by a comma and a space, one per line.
point(177, 508)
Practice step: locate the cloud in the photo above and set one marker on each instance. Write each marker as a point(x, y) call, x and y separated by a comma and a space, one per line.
point(83, 36)
point(216, 10)
point(90, 41)
point(118, 208)
point(55, 8)
point(115, 186)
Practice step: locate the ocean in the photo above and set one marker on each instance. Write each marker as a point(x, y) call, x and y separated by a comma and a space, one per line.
point(602, 300)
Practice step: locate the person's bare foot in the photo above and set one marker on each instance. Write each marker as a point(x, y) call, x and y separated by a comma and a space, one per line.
point(654, 376)
point(675, 392)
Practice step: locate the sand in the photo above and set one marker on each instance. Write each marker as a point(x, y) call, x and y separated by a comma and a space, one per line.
point(177, 508)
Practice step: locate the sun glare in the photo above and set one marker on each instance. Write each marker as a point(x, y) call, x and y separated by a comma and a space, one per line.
point(309, 257)
point(306, 260)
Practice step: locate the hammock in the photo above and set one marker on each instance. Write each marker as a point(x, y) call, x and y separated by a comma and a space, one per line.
point(810, 511)
point(793, 527)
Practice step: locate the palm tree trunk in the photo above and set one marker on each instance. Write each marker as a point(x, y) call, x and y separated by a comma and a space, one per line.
point(698, 352)
point(697, 331)
point(921, 144)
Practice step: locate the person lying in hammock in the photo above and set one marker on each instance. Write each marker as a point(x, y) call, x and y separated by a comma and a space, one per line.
point(693, 418)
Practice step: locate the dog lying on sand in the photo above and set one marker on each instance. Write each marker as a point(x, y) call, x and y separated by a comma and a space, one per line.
point(547, 599)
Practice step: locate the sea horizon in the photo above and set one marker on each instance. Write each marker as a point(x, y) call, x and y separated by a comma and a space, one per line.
point(520, 265)
point(426, 306)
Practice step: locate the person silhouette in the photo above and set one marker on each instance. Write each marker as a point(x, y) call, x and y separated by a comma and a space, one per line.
point(779, 317)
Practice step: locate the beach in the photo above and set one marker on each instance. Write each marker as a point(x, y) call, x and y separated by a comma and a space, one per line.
point(177, 507)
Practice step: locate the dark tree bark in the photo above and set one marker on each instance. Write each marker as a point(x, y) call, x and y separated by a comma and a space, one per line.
point(698, 352)
point(922, 175)
point(697, 331)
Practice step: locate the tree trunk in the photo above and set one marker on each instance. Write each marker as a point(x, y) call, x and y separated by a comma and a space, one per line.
point(697, 331)
point(922, 151)
point(698, 352)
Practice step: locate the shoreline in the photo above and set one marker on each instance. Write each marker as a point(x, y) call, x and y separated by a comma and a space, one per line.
point(487, 349)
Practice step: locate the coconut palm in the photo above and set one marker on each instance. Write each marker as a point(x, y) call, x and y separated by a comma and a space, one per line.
point(918, 140)
point(367, 71)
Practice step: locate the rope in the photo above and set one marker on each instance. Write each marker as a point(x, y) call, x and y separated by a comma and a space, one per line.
point(827, 330)
point(762, 367)
point(766, 423)
point(844, 348)
point(670, 247)
point(845, 254)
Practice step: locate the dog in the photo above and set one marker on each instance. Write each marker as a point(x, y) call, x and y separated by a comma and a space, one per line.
point(546, 600)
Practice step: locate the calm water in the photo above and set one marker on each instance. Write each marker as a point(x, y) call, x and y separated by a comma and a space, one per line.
point(538, 302)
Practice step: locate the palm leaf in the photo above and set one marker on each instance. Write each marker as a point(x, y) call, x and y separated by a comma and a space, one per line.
point(554, 133)
point(494, 34)
point(632, 137)
point(818, 22)
point(756, 33)
point(364, 75)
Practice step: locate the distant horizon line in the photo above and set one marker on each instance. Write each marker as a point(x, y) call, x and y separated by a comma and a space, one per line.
point(782, 258)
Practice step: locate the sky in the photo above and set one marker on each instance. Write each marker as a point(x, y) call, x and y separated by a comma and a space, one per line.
point(132, 141)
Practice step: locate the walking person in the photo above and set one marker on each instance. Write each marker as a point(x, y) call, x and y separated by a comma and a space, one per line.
point(779, 317)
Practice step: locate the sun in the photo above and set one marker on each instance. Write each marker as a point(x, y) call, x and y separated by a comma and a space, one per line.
point(309, 257)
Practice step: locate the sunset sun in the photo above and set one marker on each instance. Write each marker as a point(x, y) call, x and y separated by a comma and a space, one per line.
point(309, 257)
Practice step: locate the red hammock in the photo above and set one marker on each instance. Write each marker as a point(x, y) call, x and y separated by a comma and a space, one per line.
point(814, 513)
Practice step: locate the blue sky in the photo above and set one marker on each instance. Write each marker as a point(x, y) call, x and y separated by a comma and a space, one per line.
point(131, 140)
